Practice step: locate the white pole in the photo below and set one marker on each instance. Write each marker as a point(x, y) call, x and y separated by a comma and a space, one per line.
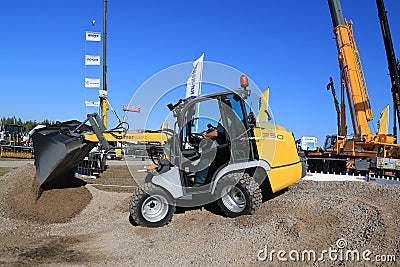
point(198, 104)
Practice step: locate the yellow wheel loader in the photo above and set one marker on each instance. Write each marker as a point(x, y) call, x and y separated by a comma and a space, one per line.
point(213, 155)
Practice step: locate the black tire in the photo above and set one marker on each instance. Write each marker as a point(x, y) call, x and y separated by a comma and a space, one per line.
point(238, 194)
point(151, 206)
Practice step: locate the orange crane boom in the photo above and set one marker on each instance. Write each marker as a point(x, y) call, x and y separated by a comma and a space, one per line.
point(352, 71)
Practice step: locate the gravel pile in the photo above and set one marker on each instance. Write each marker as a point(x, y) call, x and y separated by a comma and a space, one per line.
point(308, 216)
point(24, 201)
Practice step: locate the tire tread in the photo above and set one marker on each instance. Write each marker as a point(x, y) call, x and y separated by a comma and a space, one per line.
point(253, 192)
point(135, 203)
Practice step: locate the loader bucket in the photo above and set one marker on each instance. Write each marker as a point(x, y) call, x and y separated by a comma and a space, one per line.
point(58, 150)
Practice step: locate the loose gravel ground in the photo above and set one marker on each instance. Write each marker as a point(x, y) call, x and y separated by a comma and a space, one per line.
point(308, 216)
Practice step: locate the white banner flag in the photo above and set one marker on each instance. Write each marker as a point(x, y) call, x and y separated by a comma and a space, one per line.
point(194, 80)
point(92, 103)
point(92, 83)
point(93, 36)
point(92, 60)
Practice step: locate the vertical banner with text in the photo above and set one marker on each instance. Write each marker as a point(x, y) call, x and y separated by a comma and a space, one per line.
point(92, 67)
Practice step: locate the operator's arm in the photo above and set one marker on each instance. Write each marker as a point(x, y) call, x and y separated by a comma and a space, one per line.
point(211, 134)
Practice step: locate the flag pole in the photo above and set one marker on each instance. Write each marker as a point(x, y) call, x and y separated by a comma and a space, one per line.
point(198, 104)
point(103, 96)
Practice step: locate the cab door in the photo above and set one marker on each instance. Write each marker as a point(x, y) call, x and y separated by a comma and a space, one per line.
point(234, 121)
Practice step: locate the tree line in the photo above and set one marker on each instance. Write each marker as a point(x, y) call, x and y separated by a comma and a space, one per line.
point(28, 125)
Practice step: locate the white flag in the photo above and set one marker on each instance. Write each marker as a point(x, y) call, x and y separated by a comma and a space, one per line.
point(194, 80)
point(92, 83)
point(92, 60)
point(93, 36)
point(92, 103)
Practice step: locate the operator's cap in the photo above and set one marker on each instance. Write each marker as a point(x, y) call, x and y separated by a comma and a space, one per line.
point(210, 129)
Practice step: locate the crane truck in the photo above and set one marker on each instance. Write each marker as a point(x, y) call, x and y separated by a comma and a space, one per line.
point(364, 152)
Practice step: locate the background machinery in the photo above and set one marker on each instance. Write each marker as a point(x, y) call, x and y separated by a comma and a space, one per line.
point(340, 109)
point(363, 152)
point(14, 143)
point(307, 143)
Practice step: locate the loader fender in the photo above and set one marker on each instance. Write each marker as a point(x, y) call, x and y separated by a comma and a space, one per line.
point(170, 181)
point(241, 166)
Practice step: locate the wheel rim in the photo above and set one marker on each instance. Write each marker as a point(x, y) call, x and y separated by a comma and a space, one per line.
point(155, 208)
point(233, 199)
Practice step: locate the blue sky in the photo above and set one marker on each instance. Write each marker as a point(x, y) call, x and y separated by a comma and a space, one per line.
point(287, 45)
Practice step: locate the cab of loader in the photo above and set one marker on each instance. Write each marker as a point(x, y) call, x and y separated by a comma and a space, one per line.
point(224, 113)
point(189, 150)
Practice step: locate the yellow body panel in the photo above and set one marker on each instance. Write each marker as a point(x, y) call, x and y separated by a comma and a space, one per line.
point(277, 146)
point(281, 177)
